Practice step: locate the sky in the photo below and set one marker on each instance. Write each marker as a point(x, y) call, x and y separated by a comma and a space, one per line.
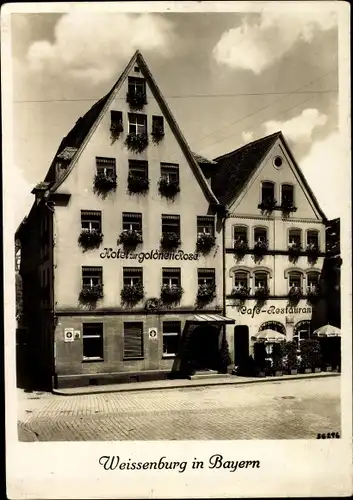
point(229, 78)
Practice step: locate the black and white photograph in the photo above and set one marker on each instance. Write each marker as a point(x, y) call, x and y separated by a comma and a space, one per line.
point(178, 244)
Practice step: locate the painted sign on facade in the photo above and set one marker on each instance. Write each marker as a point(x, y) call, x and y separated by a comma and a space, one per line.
point(255, 310)
point(155, 254)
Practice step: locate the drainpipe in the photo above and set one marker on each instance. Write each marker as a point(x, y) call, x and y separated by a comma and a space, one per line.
point(224, 263)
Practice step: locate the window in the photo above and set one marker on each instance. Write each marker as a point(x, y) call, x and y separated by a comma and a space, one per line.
point(241, 279)
point(170, 172)
point(171, 276)
point(295, 237)
point(273, 325)
point(116, 117)
point(261, 279)
point(205, 225)
point(132, 276)
point(260, 234)
point(92, 276)
point(157, 125)
point(313, 279)
point(267, 191)
point(136, 85)
point(132, 221)
point(138, 168)
point(295, 279)
point(206, 277)
point(92, 337)
point(137, 124)
point(287, 194)
point(171, 336)
point(302, 330)
point(133, 340)
point(240, 234)
point(106, 166)
point(171, 224)
point(312, 238)
point(91, 220)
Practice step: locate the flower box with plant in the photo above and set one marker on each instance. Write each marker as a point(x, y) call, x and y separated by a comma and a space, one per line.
point(260, 247)
point(240, 246)
point(295, 293)
point(131, 294)
point(313, 252)
point(136, 142)
point(240, 292)
point(261, 292)
point(171, 293)
point(137, 184)
point(313, 293)
point(167, 188)
point(205, 293)
point(294, 249)
point(91, 293)
point(170, 240)
point(268, 204)
point(105, 182)
point(90, 238)
point(290, 351)
point(310, 355)
point(130, 238)
point(153, 304)
point(136, 100)
point(116, 129)
point(205, 242)
point(277, 359)
point(288, 206)
point(157, 134)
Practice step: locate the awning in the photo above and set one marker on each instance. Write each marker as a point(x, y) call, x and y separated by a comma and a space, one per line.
point(210, 318)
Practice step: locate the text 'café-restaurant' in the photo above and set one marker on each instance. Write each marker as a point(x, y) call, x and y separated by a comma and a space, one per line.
point(139, 256)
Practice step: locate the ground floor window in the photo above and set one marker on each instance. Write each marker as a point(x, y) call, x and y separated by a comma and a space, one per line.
point(92, 336)
point(171, 337)
point(133, 340)
point(302, 331)
point(273, 325)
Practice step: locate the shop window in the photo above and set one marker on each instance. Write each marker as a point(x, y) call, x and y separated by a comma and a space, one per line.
point(132, 221)
point(106, 166)
point(92, 276)
point(171, 276)
point(267, 191)
point(295, 238)
point(240, 234)
point(91, 220)
point(133, 340)
point(287, 195)
point(132, 276)
point(205, 225)
point(295, 279)
point(241, 279)
point(171, 337)
point(170, 172)
point(312, 238)
point(92, 341)
point(206, 277)
point(137, 124)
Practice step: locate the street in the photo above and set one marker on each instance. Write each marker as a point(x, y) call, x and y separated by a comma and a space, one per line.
point(294, 409)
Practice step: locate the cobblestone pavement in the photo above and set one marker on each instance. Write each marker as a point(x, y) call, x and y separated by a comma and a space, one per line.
point(297, 409)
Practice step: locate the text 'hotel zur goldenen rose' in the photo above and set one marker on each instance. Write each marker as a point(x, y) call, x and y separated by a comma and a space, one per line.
point(141, 259)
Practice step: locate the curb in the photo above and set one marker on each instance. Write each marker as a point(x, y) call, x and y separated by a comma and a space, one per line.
point(25, 434)
point(203, 384)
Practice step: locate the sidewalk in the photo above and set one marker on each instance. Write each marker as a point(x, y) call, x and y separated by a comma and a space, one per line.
point(184, 383)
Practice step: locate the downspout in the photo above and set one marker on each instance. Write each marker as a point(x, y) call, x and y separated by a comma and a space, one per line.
point(224, 263)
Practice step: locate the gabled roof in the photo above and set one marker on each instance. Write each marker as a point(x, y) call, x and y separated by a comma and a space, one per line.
point(85, 127)
point(236, 167)
point(202, 160)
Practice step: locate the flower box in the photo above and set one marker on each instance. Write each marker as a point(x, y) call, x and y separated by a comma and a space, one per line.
point(278, 373)
point(171, 293)
point(157, 134)
point(260, 247)
point(116, 129)
point(240, 292)
point(307, 370)
point(90, 238)
point(131, 294)
point(295, 293)
point(205, 293)
point(262, 292)
point(294, 249)
point(130, 238)
point(153, 304)
point(313, 293)
point(288, 206)
point(104, 182)
point(313, 252)
point(167, 188)
point(240, 247)
point(268, 204)
point(294, 371)
point(170, 240)
point(136, 100)
point(137, 184)
point(136, 142)
point(91, 293)
point(328, 369)
point(316, 370)
point(205, 242)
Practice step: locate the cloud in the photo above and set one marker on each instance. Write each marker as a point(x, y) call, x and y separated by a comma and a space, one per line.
point(327, 171)
point(248, 136)
point(93, 45)
point(299, 128)
point(255, 46)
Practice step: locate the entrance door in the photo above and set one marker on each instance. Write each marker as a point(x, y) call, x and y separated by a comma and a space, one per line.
point(241, 344)
point(205, 350)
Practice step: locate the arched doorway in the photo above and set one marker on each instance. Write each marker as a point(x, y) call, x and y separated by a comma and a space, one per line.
point(204, 347)
point(273, 325)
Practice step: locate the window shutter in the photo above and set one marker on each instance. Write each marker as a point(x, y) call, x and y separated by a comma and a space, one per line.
point(133, 340)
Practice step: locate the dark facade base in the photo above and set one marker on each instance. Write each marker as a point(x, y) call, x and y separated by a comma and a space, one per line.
point(66, 381)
